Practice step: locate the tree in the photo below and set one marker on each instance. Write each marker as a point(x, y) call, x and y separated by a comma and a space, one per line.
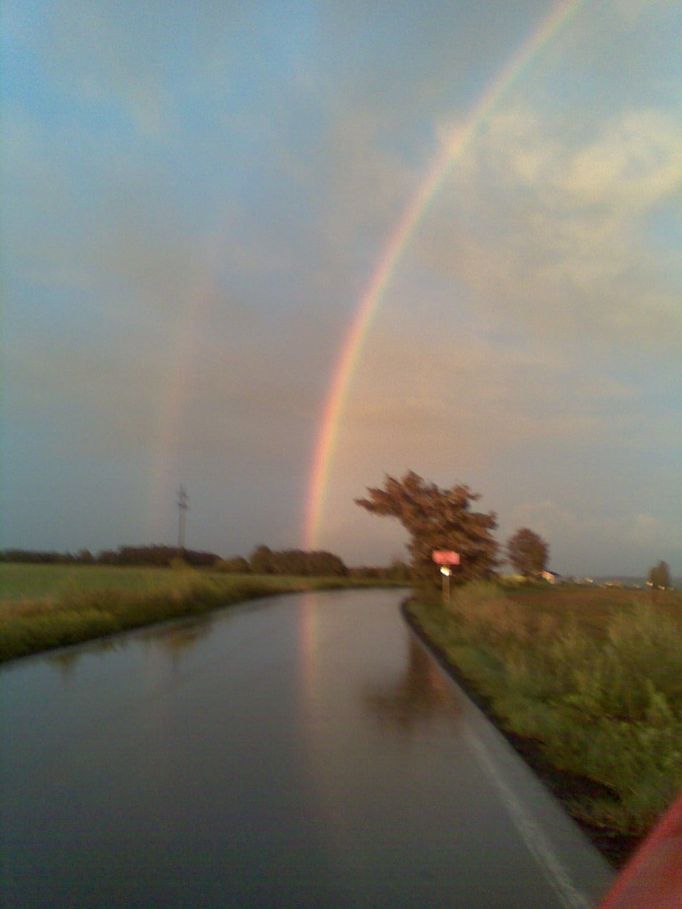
point(296, 562)
point(261, 560)
point(527, 552)
point(325, 564)
point(289, 562)
point(438, 519)
point(659, 576)
point(233, 565)
point(398, 570)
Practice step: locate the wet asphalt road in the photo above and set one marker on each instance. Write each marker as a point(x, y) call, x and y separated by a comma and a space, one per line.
point(298, 752)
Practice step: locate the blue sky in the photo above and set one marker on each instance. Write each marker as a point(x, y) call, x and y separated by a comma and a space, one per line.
point(195, 197)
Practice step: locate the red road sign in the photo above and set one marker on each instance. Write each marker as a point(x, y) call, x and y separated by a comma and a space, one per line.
point(445, 557)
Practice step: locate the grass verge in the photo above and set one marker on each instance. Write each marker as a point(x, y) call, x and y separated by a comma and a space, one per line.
point(73, 616)
point(593, 704)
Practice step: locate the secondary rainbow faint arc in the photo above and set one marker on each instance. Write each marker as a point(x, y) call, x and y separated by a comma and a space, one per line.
point(351, 346)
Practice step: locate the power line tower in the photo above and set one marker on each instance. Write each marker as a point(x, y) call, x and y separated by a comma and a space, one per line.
point(183, 508)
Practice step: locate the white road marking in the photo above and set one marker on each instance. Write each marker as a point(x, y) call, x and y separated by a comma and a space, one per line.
point(531, 832)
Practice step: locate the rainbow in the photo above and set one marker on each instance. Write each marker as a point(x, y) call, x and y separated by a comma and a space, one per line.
point(351, 347)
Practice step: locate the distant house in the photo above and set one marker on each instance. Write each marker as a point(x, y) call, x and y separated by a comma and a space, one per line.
point(550, 576)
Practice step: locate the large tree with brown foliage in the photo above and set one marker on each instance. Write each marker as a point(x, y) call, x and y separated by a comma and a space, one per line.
point(527, 552)
point(438, 519)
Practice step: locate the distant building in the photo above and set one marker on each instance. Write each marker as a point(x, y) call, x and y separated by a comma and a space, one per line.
point(550, 576)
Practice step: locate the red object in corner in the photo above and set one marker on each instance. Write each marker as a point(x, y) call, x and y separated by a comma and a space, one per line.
point(652, 879)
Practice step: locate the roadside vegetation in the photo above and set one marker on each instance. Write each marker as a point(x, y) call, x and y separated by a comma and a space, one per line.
point(585, 682)
point(592, 676)
point(47, 606)
point(32, 582)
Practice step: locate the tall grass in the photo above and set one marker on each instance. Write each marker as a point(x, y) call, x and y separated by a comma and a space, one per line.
point(76, 615)
point(20, 581)
point(604, 704)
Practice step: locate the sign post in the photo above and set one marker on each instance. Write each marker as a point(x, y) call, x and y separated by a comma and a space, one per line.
point(445, 571)
point(445, 558)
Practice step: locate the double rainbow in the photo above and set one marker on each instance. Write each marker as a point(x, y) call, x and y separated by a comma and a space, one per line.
point(351, 347)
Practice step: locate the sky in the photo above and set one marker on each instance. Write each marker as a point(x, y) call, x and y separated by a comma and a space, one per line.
point(197, 196)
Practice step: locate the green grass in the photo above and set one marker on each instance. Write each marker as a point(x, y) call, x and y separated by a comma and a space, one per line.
point(594, 676)
point(22, 581)
point(46, 606)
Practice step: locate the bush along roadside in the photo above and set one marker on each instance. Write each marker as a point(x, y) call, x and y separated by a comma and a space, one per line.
point(607, 710)
point(33, 626)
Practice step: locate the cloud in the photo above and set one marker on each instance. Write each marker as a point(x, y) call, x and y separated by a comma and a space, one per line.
point(646, 530)
point(632, 539)
point(636, 161)
point(127, 59)
point(633, 11)
point(460, 406)
point(100, 58)
point(549, 231)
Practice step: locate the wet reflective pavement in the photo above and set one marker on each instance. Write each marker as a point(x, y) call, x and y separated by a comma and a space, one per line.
point(303, 751)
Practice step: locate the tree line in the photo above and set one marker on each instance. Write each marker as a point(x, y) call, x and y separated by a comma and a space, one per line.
point(155, 555)
point(264, 560)
point(435, 519)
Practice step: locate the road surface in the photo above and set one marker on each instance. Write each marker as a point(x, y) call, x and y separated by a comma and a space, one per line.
point(298, 752)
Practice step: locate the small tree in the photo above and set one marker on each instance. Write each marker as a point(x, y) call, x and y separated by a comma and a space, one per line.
point(438, 519)
point(659, 576)
point(261, 560)
point(233, 565)
point(527, 552)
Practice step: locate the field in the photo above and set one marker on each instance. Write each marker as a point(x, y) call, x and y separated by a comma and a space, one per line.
point(31, 582)
point(21, 582)
point(46, 606)
point(586, 682)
